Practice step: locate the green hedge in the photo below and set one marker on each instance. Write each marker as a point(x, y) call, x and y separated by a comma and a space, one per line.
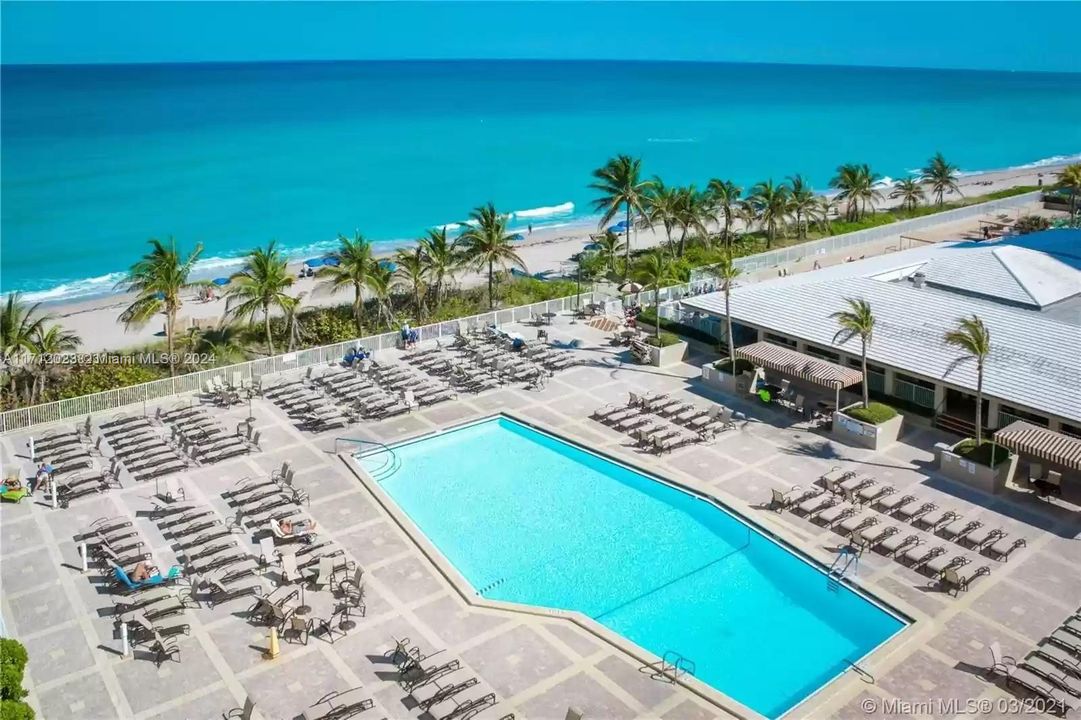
point(663, 340)
point(742, 366)
point(13, 660)
point(986, 453)
point(875, 413)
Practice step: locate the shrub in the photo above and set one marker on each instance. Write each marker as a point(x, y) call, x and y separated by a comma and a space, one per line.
point(1031, 223)
point(742, 366)
point(663, 340)
point(13, 660)
point(986, 453)
point(874, 414)
point(89, 379)
point(324, 326)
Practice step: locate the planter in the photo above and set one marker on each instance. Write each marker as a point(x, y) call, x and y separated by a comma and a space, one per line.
point(855, 432)
point(661, 356)
point(714, 378)
point(973, 474)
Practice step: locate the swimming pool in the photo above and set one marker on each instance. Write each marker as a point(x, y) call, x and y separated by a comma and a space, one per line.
point(526, 517)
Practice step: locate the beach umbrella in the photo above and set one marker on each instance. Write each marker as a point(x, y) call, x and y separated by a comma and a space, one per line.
point(388, 264)
point(332, 261)
point(517, 236)
point(220, 281)
point(629, 287)
point(314, 262)
point(592, 247)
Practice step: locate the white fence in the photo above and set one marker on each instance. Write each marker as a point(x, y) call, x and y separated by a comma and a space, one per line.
point(83, 405)
point(848, 241)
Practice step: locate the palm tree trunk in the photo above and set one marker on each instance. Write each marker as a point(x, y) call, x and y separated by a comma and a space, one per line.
point(627, 250)
point(731, 341)
point(727, 230)
point(682, 241)
point(866, 387)
point(657, 312)
point(266, 325)
point(170, 322)
point(491, 296)
point(979, 402)
point(358, 305)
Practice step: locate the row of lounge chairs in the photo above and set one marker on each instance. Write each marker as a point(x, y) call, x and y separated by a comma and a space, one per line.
point(308, 406)
point(1052, 670)
point(684, 423)
point(205, 440)
point(440, 687)
point(139, 448)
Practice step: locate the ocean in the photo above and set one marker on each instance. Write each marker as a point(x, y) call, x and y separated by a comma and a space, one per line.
point(98, 159)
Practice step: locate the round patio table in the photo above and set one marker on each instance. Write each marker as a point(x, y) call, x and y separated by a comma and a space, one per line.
point(549, 315)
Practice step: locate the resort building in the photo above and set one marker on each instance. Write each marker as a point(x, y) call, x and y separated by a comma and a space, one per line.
point(1026, 289)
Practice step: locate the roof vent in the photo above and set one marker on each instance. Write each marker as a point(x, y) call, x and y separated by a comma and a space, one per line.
point(917, 279)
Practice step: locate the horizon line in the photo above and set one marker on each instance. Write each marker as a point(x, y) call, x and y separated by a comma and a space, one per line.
point(633, 61)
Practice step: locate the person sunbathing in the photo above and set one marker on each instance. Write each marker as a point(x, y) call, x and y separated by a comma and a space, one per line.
point(13, 483)
point(143, 571)
point(298, 527)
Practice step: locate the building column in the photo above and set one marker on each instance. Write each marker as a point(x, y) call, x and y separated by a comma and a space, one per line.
point(991, 420)
point(940, 397)
point(887, 381)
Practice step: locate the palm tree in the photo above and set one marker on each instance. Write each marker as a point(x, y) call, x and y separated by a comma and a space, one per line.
point(910, 191)
point(412, 273)
point(653, 271)
point(748, 214)
point(51, 341)
point(771, 201)
point(223, 343)
point(1070, 180)
point(381, 285)
point(620, 185)
point(20, 326)
point(662, 206)
point(727, 272)
point(351, 265)
point(488, 244)
point(724, 197)
point(294, 329)
point(973, 338)
point(259, 287)
point(610, 247)
point(821, 214)
point(158, 279)
point(692, 213)
point(941, 176)
point(801, 203)
point(441, 259)
point(857, 186)
point(857, 321)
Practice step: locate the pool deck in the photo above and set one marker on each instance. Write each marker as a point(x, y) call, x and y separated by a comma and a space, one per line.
point(537, 665)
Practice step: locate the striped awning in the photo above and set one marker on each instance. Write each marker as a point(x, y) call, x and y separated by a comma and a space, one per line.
point(1039, 442)
point(799, 365)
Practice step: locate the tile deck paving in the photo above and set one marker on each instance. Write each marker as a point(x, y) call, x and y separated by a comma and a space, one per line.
point(538, 666)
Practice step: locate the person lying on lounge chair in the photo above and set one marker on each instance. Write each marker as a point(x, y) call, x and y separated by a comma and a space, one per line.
point(143, 571)
point(296, 527)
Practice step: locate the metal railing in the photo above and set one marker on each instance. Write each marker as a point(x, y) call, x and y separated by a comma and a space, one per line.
point(915, 394)
point(249, 371)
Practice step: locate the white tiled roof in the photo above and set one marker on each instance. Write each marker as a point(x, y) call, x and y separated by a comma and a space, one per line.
point(1035, 360)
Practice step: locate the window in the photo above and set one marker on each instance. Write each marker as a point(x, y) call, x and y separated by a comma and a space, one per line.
point(1007, 415)
point(915, 381)
point(823, 353)
point(780, 340)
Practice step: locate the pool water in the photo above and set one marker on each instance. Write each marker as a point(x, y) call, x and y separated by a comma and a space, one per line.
point(528, 518)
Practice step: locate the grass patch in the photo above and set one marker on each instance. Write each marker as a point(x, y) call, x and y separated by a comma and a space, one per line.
point(986, 453)
point(742, 366)
point(663, 340)
point(649, 317)
point(875, 413)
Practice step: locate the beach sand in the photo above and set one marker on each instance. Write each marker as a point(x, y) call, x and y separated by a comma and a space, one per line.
point(545, 250)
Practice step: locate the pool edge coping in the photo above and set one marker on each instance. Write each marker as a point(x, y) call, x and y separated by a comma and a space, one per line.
point(914, 620)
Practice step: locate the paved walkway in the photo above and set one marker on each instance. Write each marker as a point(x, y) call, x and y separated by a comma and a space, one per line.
point(536, 666)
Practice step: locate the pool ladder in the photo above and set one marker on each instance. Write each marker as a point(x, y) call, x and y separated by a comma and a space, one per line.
point(838, 569)
point(673, 666)
point(391, 464)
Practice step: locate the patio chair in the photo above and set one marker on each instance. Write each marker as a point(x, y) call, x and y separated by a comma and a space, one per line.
point(1035, 472)
point(1053, 671)
point(953, 581)
point(338, 705)
point(781, 500)
point(164, 648)
point(290, 573)
point(918, 556)
point(1025, 677)
point(324, 573)
point(936, 518)
point(913, 511)
point(1061, 656)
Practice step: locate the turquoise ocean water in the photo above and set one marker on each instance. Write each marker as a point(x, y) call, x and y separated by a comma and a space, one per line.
point(97, 159)
point(527, 518)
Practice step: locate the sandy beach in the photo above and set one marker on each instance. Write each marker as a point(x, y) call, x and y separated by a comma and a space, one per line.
point(543, 251)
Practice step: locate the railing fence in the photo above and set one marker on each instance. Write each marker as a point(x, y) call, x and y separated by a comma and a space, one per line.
point(108, 400)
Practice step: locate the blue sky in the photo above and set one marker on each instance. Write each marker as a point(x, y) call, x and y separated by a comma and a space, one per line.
point(980, 35)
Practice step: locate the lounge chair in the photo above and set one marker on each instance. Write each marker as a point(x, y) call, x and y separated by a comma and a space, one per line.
point(835, 513)
point(936, 518)
point(913, 511)
point(834, 476)
point(872, 493)
point(1038, 684)
point(1060, 656)
point(959, 529)
point(857, 523)
point(1053, 671)
point(889, 503)
point(174, 573)
point(865, 540)
point(1001, 549)
point(431, 694)
point(983, 536)
point(453, 709)
point(781, 500)
point(337, 705)
point(812, 501)
point(917, 557)
point(953, 580)
point(1066, 639)
point(942, 562)
point(897, 543)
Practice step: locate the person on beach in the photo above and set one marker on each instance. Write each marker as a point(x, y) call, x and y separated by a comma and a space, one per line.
point(142, 572)
point(42, 476)
point(530, 228)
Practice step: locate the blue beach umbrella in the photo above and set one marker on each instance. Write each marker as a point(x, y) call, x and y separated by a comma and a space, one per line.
point(620, 226)
point(592, 247)
point(517, 236)
point(388, 264)
point(220, 281)
point(314, 262)
point(331, 261)
point(159, 296)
